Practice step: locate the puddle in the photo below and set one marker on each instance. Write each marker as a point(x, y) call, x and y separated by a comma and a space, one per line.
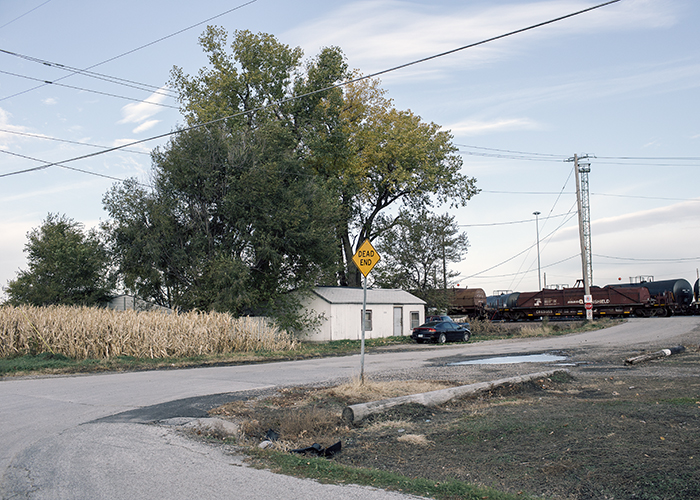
point(530, 358)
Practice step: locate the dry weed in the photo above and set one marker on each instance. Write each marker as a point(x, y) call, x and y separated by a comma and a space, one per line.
point(356, 392)
point(417, 439)
point(379, 425)
point(95, 333)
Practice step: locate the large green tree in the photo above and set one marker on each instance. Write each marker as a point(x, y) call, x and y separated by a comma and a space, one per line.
point(416, 253)
point(235, 218)
point(280, 171)
point(372, 156)
point(393, 163)
point(67, 265)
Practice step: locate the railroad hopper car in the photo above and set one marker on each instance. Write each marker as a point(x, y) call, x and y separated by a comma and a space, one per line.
point(569, 303)
point(468, 302)
point(667, 297)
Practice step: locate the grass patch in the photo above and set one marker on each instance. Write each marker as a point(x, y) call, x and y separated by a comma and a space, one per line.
point(30, 355)
point(489, 330)
point(47, 363)
point(329, 472)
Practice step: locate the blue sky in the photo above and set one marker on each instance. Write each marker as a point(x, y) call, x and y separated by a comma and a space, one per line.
point(620, 83)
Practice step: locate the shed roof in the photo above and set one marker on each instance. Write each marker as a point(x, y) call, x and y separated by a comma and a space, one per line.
point(346, 295)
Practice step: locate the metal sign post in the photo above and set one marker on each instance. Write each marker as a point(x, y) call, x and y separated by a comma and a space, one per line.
point(365, 259)
point(364, 320)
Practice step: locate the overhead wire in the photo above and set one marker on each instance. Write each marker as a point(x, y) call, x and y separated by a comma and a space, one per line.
point(99, 76)
point(59, 164)
point(330, 87)
point(22, 15)
point(82, 89)
point(687, 259)
point(518, 254)
point(523, 221)
point(140, 47)
point(510, 154)
point(48, 138)
point(545, 219)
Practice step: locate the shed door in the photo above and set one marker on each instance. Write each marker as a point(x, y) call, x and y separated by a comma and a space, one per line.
point(398, 321)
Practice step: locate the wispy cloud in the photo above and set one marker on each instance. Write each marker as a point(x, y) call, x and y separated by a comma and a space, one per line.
point(7, 138)
point(142, 112)
point(379, 33)
point(146, 126)
point(626, 81)
point(678, 213)
point(476, 127)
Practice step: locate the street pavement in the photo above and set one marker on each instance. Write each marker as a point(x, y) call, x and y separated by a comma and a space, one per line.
point(100, 436)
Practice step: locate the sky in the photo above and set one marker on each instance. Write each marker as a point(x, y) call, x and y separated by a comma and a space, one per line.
point(620, 84)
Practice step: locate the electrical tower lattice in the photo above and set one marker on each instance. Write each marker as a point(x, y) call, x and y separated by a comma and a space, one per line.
point(584, 218)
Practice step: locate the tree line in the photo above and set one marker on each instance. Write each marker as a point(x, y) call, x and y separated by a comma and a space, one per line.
point(279, 172)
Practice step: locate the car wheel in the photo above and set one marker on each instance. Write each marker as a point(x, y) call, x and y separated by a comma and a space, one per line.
point(465, 337)
point(442, 339)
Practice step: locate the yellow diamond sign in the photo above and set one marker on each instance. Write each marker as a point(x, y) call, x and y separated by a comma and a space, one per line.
point(365, 258)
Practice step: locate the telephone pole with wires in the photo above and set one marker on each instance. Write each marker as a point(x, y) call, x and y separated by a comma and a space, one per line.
point(581, 170)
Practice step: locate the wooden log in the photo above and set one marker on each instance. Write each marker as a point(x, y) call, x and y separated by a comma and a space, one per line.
point(355, 413)
point(655, 355)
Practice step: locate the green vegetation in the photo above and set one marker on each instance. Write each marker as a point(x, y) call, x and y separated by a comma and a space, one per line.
point(48, 363)
point(36, 355)
point(283, 167)
point(326, 471)
point(415, 255)
point(67, 265)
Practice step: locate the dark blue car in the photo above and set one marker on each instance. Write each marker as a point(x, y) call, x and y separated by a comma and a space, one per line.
point(441, 332)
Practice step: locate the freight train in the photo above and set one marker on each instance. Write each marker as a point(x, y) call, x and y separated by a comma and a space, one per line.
point(644, 299)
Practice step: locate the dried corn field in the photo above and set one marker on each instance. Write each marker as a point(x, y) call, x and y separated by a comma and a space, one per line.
point(94, 333)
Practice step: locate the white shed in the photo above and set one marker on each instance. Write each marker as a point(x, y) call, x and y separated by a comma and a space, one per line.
point(389, 313)
point(131, 303)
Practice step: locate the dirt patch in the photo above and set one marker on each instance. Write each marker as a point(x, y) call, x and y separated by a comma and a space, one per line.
point(606, 431)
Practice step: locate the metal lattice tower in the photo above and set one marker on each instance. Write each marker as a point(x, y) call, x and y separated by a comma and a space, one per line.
point(584, 218)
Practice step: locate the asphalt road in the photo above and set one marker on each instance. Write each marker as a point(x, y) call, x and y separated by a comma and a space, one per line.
point(99, 436)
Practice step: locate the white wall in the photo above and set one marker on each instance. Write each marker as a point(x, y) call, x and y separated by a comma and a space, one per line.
point(343, 321)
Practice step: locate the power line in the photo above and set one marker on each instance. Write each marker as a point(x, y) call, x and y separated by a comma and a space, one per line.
point(519, 253)
point(21, 16)
point(490, 224)
point(674, 158)
point(526, 192)
point(46, 137)
point(508, 157)
point(645, 197)
point(552, 193)
point(99, 76)
point(687, 259)
point(55, 82)
point(139, 48)
point(510, 275)
point(331, 87)
point(33, 169)
point(512, 151)
point(509, 154)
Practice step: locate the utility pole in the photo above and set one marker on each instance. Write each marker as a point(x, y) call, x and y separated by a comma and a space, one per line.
point(581, 169)
point(539, 271)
